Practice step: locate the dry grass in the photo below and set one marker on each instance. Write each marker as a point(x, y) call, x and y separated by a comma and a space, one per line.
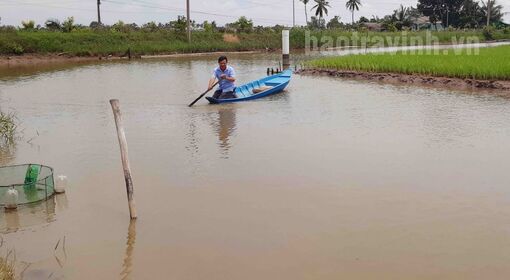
point(7, 129)
point(7, 265)
point(231, 38)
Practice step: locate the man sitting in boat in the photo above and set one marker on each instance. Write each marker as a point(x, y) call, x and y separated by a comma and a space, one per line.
point(226, 75)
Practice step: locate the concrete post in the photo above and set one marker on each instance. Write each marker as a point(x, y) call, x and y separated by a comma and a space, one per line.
point(285, 49)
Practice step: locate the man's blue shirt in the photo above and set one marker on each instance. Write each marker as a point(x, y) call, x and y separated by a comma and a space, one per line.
point(225, 85)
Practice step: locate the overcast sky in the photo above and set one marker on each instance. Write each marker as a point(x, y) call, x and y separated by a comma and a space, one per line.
point(263, 12)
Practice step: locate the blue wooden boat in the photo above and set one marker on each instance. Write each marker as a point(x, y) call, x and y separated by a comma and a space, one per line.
point(269, 85)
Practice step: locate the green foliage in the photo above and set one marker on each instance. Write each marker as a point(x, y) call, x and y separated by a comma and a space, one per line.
point(317, 23)
point(210, 27)
point(94, 25)
point(353, 5)
point(68, 25)
point(9, 44)
point(242, 25)
point(491, 63)
point(119, 26)
point(321, 8)
point(335, 23)
point(363, 20)
point(390, 27)
point(179, 25)
point(53, 24)
point(461, 13)
point(28, 24)
point(488, 33)
point(150, 27)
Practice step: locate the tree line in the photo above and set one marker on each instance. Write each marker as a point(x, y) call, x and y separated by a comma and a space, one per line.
point(458, 14)
point(451, 13)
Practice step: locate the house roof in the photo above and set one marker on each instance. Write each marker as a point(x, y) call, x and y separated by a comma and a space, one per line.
point(424, 20)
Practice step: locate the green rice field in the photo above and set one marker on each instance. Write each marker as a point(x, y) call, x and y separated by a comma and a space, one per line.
point(486, 63)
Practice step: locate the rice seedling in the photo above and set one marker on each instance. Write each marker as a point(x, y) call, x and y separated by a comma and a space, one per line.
point(489, 64)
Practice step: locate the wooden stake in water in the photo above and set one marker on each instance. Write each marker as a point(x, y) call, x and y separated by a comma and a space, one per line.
point(124, 156)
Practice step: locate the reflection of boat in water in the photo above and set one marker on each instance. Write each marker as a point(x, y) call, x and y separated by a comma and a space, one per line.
point(259, 88)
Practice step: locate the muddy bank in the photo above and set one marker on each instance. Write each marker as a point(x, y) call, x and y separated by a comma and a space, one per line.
point(41, 59)
point(501, 87)
point(36, 59)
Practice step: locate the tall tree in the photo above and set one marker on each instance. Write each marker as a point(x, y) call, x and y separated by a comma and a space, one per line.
point(492, 11)
point(321, 8)
point(402, 17)
point(471, 14)
point(306, 10)
point(446, 11)
point(353, 5)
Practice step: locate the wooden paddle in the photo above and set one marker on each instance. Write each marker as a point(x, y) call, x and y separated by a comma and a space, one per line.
point(202, 95)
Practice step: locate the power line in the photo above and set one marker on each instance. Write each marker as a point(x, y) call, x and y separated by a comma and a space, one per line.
point(6, 2)
point(175, 9)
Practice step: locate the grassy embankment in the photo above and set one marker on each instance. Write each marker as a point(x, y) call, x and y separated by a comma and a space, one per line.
point(88, 42)
point(489, 64)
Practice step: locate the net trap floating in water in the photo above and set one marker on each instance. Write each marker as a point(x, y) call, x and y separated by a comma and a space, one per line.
point(27, 183)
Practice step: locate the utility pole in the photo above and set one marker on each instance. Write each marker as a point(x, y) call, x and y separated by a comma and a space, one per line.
point(489, 12)
point(98, 12)
point(293, 13)
point(189, 21)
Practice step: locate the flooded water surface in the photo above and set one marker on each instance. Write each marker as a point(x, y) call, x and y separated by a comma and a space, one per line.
point(332, 179)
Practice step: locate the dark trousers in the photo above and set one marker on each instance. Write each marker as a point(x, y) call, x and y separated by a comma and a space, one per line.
point(224, 95)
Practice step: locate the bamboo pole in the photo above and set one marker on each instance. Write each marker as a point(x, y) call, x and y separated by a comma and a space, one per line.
point(124, 156)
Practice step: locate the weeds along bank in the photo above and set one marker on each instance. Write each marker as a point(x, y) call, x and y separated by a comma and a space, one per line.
point(92, 42)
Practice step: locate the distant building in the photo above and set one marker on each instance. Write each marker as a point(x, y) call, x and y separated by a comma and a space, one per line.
point(423, 23)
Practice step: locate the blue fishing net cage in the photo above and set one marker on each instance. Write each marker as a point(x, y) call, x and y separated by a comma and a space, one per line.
point(34, 182)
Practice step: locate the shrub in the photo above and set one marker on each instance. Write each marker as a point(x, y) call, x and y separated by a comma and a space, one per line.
point(10, 47)
point(28, 25)
point(53, 24)
point(68, 24)
point(488, 33)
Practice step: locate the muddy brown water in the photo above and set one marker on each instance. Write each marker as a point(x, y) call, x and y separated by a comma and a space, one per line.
point(332, 179)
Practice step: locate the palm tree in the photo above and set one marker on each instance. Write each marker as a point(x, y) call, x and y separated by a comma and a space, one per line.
point(353, 5)
point(306, 11)
point(321, 8)
point(492, 11)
